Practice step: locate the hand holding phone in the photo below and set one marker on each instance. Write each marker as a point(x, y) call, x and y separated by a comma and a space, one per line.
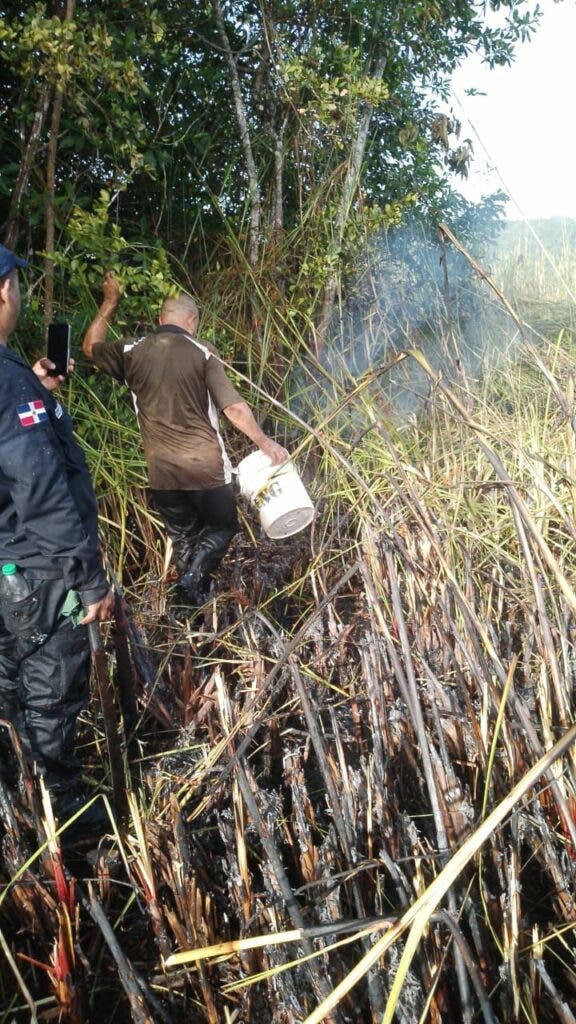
point(58, 349)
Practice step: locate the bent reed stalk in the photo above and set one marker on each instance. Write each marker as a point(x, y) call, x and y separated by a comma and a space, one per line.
point(344, 737)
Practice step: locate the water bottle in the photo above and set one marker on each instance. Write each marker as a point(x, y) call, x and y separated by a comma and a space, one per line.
point(13, 586)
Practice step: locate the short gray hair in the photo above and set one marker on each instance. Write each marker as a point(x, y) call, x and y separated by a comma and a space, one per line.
point(181, 305)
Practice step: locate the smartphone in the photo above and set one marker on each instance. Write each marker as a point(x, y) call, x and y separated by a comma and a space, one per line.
point(58, 348)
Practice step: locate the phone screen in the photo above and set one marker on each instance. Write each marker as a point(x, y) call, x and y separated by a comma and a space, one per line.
point(58, 348)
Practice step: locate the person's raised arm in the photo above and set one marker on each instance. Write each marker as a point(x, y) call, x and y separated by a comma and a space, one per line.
point(98, 329)
point(241, 416)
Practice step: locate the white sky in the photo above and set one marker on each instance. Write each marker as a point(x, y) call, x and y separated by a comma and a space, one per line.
point(526, 121)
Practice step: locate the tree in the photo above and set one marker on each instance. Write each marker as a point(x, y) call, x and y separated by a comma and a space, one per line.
point(292, 128)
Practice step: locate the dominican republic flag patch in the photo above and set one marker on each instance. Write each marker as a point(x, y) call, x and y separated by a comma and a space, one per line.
point(31, 413)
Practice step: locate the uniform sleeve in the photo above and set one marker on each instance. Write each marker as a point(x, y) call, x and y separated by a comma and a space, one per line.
point(109, 356)
point(222, 391)
point(34, 471)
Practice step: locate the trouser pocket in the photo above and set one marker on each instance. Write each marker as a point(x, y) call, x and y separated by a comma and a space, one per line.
point(54, 691)
point(32, 619)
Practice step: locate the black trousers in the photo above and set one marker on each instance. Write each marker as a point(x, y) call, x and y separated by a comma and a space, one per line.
point(198, 523)
point(44, 679)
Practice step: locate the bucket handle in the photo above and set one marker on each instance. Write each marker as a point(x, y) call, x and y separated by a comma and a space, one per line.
point(269, 480)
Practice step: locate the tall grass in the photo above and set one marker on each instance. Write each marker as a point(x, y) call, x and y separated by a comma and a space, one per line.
point(536, 266)
point(353, 775)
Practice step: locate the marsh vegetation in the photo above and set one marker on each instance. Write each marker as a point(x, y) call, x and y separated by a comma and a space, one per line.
point(329, 817)
point(348, 787)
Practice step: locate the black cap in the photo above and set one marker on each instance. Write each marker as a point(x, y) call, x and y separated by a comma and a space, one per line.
point(8, 261)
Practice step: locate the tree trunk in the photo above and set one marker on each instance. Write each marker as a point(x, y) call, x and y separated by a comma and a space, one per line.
point(278, 194)
point(11, 233)
point(348, 191)
point(253, 185)
point(51, 188)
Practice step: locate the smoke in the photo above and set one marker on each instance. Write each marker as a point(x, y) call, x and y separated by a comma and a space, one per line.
point(408, 292)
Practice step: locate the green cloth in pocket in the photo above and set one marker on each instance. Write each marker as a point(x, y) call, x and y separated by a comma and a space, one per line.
point(72, 608)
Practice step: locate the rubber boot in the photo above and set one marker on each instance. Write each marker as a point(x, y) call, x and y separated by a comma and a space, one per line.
point(184, 546)
point(210, 550)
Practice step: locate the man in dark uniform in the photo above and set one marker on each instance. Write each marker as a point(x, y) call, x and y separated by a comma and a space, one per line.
point(179, 386)
point(49, 529)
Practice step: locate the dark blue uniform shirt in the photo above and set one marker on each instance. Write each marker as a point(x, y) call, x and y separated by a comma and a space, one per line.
point(48, 513)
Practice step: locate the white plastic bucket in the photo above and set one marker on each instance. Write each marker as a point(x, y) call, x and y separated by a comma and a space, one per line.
point(277, 492)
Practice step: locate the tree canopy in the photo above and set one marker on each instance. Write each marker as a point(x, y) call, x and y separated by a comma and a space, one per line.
point(191, 130)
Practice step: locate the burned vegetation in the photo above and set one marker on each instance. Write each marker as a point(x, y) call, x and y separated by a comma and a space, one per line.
point(348, 788)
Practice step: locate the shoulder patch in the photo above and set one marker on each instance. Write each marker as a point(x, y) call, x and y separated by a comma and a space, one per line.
point(32, 413)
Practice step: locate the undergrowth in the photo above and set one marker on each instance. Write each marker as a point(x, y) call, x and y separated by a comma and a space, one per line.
point(343, 804)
